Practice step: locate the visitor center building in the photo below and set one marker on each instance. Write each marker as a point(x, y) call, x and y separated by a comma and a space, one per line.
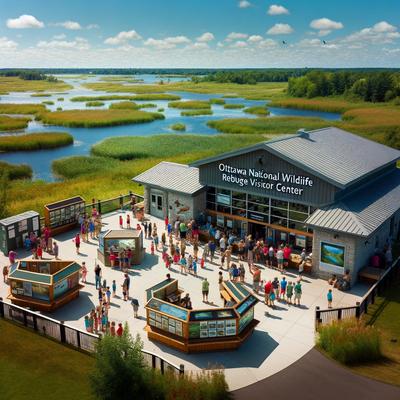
point(329, 191)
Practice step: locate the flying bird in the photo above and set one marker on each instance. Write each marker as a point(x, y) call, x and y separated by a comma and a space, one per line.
point(283, 42)
point(324, 42)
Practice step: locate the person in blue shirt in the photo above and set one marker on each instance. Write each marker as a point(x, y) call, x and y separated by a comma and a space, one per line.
point(283, 285)
point(329, 298)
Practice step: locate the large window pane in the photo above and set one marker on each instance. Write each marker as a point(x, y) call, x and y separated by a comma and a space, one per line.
point(223, 209)
point(210, 205)
point(298, 207)
point(297, 216)
point(258, 199)
point(257, 216)
point(211, 197)
point(279, 203)
point(258, 207)
point(239, 195)
point(238, 203)
point(278, 221)
point(297, 225)
point(241, 212)
point(279, 212)
point(211, 190)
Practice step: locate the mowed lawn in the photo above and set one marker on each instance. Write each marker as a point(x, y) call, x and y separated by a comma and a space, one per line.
point(385, 314)
point(35, 368)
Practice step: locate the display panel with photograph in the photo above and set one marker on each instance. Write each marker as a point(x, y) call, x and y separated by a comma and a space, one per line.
point(332, 254)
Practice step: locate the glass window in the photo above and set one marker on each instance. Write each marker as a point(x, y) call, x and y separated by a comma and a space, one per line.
point(239, 203)
point(258, 208)
point(297, 225)
point(298, 207)
point(279, 212)
point(279, 203)
point(223, 209)
point(153, 199)
point(223, 199)
point(210, 205)
point(211, 197)
point(224, 191)
point(258, 199)
point(257, 216)
point(159, 203)
point(22, 225)
point(239, 195)
point(211, 190)
point(297, 216)
point(241, 212)
point(278, 221)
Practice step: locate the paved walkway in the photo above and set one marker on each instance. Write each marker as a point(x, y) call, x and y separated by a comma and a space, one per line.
point(315, 377)
point(284, 335)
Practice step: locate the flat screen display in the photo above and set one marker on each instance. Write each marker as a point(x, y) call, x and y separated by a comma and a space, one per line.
point(332, 254)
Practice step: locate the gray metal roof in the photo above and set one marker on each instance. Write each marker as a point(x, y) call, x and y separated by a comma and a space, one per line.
point(172, 176)
point(362, 212)
point(17, 218)
point(334, 155)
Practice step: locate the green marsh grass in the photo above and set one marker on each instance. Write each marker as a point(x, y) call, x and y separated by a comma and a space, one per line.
point(146, 105)
point(60, 99)
point(161, 110)
point(41, 95)
point(12, 124)
point(178, 127)
point(35, 141)
point(132, 147)
point(350, 342)
point(123, 105)
point(217, 101)
point(94, 104)
point(190, 105)
point(139, 97)
point(11, 108)
point(94, 118)
point(76, 166)
point(195, 113)
point(48, 103)
point(16, 171)
point(14, 84)
point(257, 110)
point(233, 106)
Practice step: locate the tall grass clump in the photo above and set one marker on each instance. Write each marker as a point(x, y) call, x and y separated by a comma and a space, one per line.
point(147, 105)
point(190, 105)
point(94, 104)
point(95, 118)
point(12, 124)
point(217, 101)
point(278, 125)
point(48, 103)
point(257, 110)
point(16, 84)
point(233, 106)
point(16, 171)
point(350, 342)
point(178, 127)
point(123, 105)
point(60, 99)
point(40, 95)
point(194, 113)
point(72, 167)
point(11, 108)
point(35, 141)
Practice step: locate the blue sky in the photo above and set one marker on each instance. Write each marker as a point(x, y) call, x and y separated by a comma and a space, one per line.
point(199, 33)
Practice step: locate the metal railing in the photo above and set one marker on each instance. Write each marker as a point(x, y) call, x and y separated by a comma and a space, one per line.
point(73, 337)
point(323, 317)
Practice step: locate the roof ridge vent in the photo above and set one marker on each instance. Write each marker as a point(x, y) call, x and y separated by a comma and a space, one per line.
point(303, 133)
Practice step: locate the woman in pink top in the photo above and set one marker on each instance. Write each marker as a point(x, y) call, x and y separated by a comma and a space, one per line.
point(287, 251)
point(77, 241)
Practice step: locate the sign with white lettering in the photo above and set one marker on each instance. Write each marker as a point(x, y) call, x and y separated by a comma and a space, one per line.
point(259, 178)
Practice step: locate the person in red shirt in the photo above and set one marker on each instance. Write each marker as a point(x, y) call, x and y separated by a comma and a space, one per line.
point(39, 252)
point(166, 223)
point(120, 330)
point(287, 251)
point(120, 221)
point(267, 290)
point(128, 221)
point(77, 241)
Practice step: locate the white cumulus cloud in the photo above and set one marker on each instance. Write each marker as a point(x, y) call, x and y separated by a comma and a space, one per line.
point(123, 37)
point(236, 36)
point(325, 26)
point(381, 32)
point(24, 22)
point(71, 25)
point(206, 37)
point(275, 9)
point(77, 44)
point(198, 46)
point(244, 4)
point(93, 26)
point(280, 29)
point(6, 43)
point(167, 43)
point(255, 38)
point(239, 44)
point(60, 37)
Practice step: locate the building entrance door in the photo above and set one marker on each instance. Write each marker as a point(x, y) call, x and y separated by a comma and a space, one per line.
point(257, 231)
point(157, 205)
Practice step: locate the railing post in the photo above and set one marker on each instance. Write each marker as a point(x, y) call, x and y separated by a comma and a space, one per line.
point(162, 366)
point(25, 318)
point(35, 328)
point(99, 206)
point(358, 310)
point(339, 316)
point(78, 339)
point(1, 308)
point(181, 369)
point(153, 361)
point(317, 317)
point(62, 332)
point(121, 202)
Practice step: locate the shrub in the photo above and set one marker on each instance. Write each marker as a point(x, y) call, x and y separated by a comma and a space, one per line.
point(233, 106)
point(178, 127)
point(194, 113)
point(123, 105)
point(350, 341)
point(160, 110)
point(60, 99)
point(190, 105)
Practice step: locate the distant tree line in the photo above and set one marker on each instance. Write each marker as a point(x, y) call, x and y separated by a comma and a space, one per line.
point(379, 86)
point(28, 74)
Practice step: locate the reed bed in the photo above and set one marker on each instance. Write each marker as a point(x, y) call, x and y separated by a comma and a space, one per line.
point(178, 127)
point(233, 106)
point(123, 105)
point(12, 108)
point(94, 104)
point(15, 84)
point(257, 110)
point(12, 124)
point(195, 113)
point(190, 105)
point(217, 101)
point(95, 118)
point(35, 141)
point(16, 171)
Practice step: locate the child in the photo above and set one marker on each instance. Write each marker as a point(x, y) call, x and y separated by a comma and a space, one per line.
point(202, 261)
point(114, 288)
point(272, 298)
point(152, 248)
point(108, 295)
point(330, 298)
point(176, 258)
point(183, 264)
point(190, 263)
point(128, 221)
point(168, 261)
point(120, 330)
point(120, 222)
point(283, 286)
point(112, 329)
point(289, 292)
point(195, 266)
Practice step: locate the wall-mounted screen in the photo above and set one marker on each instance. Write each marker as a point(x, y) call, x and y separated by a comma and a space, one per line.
point(223, 199)
point(332, 257)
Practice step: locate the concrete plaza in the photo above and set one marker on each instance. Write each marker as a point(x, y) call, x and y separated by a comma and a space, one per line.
point(283, 336)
